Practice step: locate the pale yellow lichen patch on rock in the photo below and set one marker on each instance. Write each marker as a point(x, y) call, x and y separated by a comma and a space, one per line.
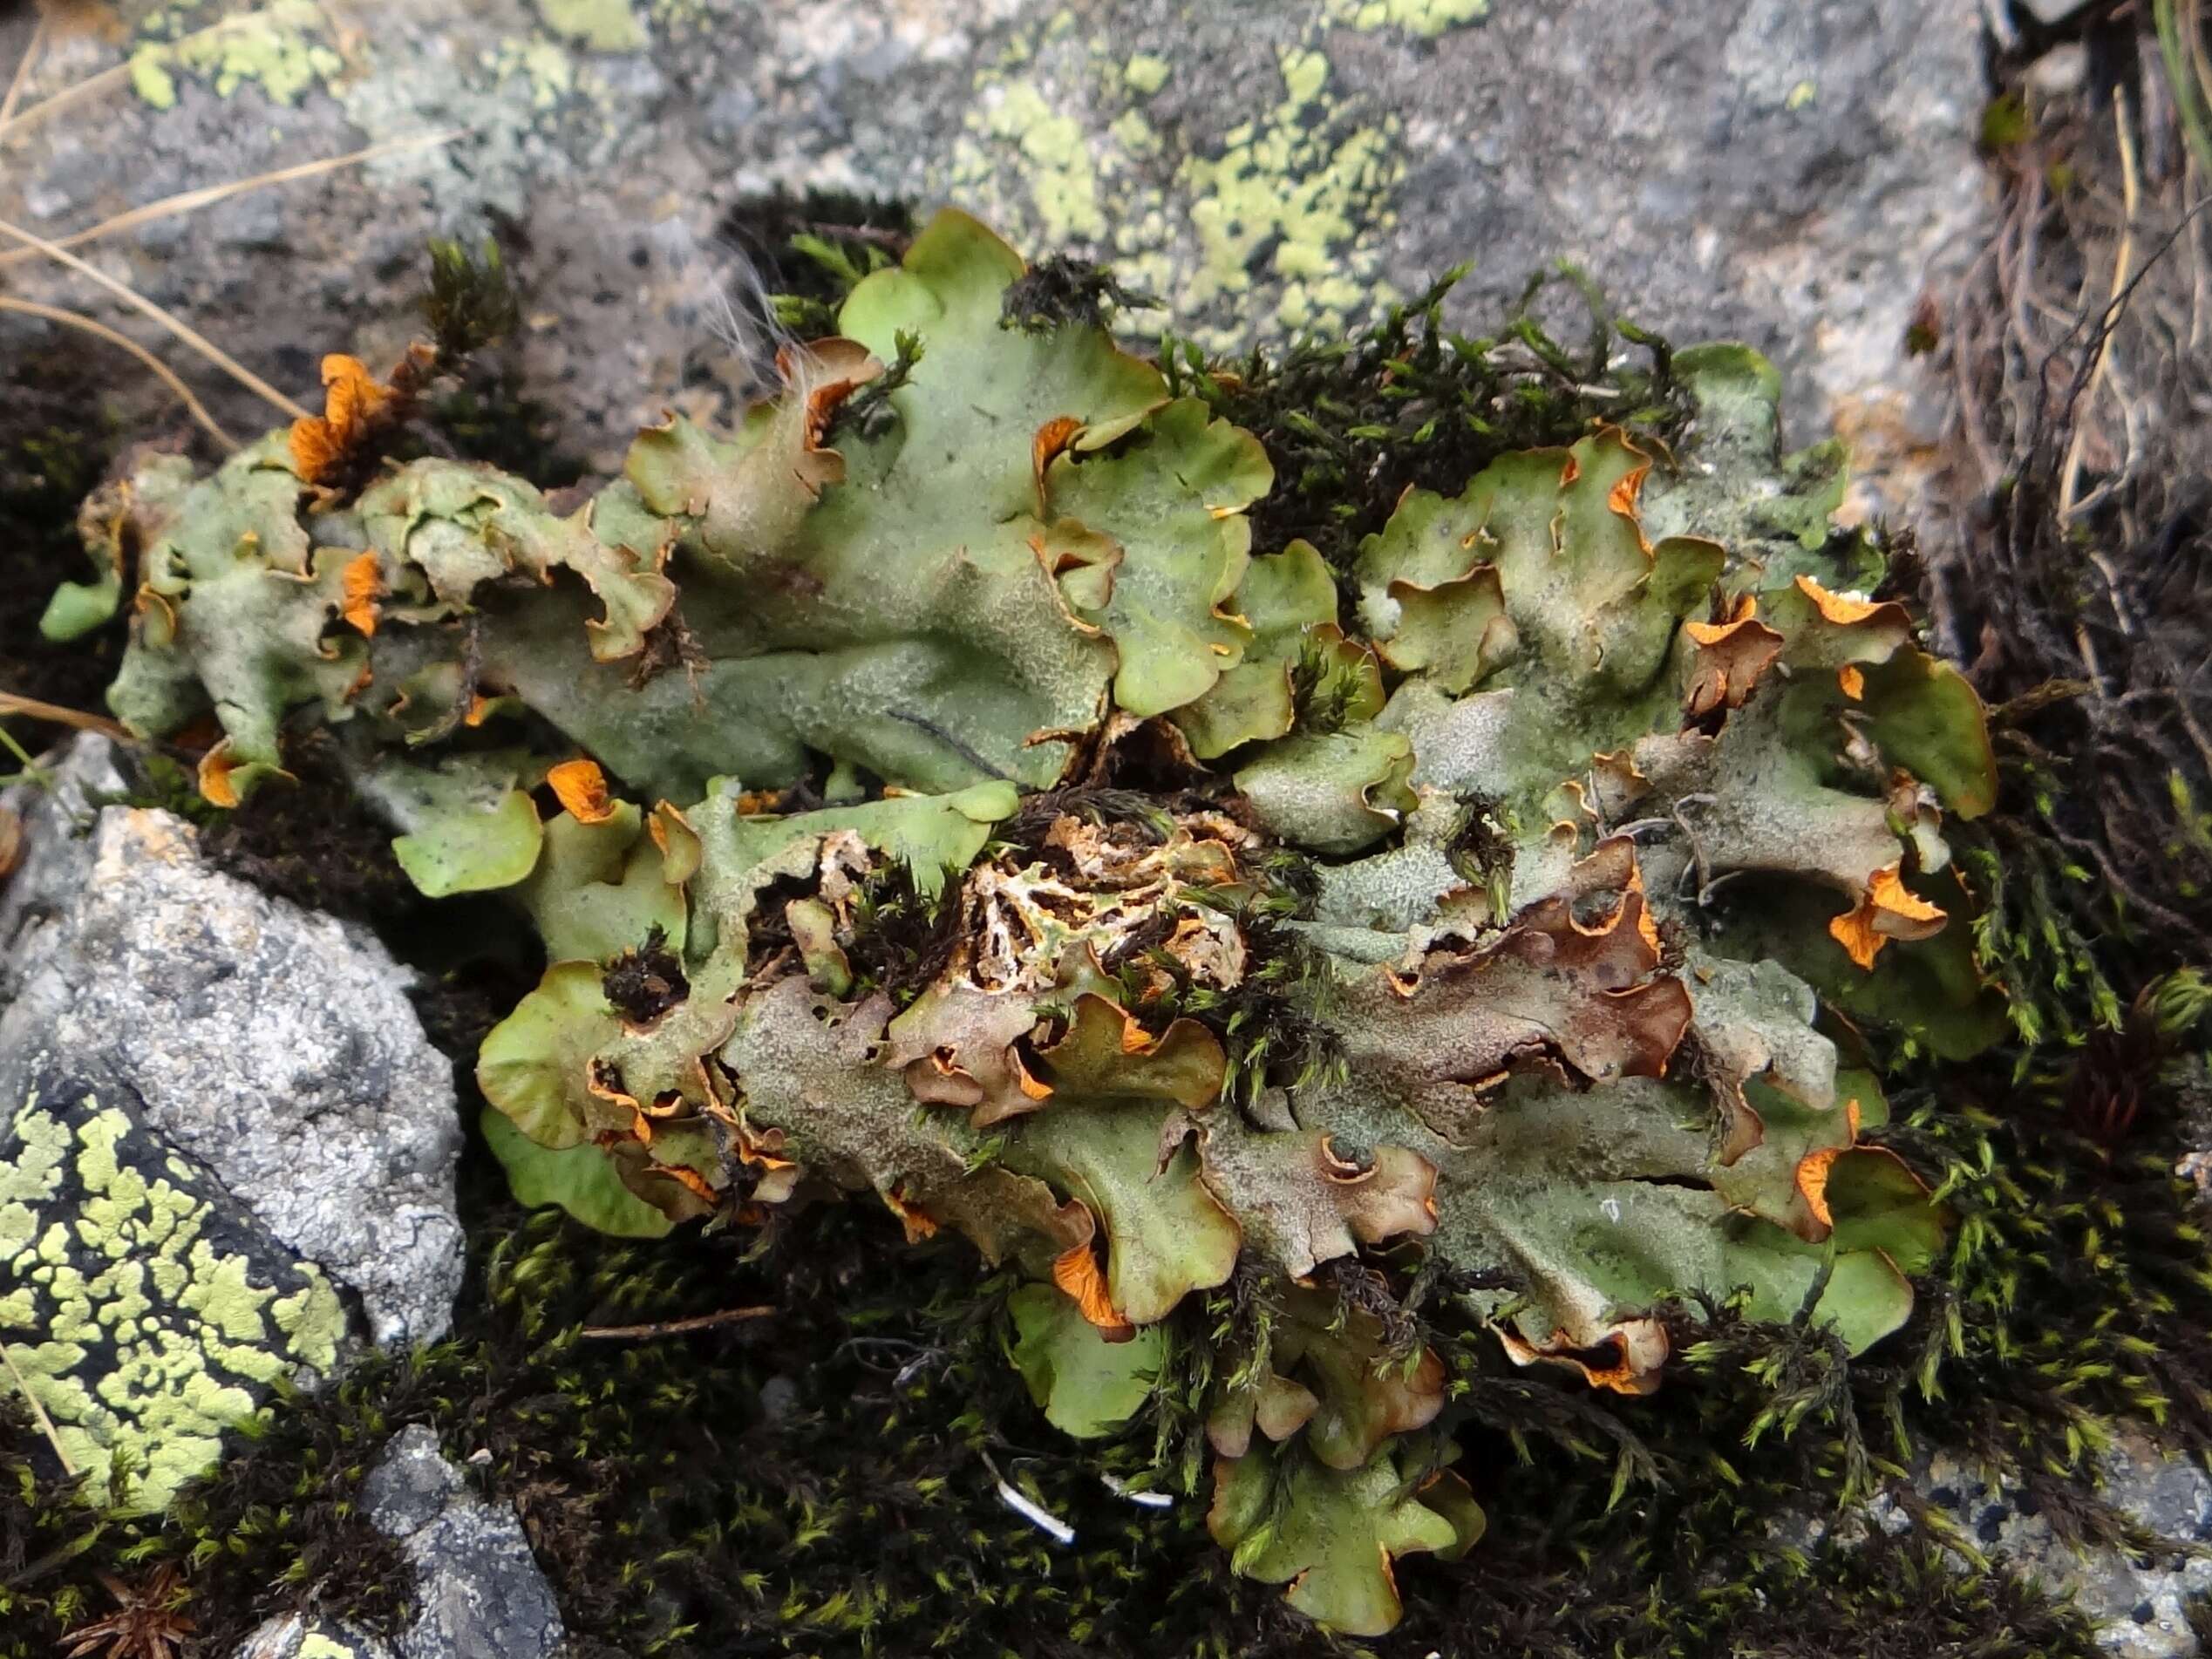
point(1063, 183)
point(1146, 73)
point(1277, 183)
point(141, 1322)
point(1426, 18)
point(598, 25)
point(545, 65)
point(1283, 217)
point(282, 48)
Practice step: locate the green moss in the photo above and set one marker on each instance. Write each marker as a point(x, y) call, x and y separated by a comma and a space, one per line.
point(1352, 421)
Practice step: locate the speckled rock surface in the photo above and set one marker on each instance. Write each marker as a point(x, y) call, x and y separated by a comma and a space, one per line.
point(273, 1049)
point(478, 1592)
point(292, 1637)
point(1783, 170)
point(2137, 1605)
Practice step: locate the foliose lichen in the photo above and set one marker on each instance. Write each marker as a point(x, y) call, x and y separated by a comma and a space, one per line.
point(1012, 840)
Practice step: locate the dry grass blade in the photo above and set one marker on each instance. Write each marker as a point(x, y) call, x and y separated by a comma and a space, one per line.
point(45, 1423)
point(2070, 480)
point(119, 74)
point(191, 337)
point(161, 370)
point(54, 714)
point(2179, 24)
point(2201, 59)
point(2084, 538)
point(193, 200)
point(17, 81)
point(673, 1327)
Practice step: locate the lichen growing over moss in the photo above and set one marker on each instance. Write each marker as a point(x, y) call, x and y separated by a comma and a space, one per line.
point(143, 1319)
point(1482, 903)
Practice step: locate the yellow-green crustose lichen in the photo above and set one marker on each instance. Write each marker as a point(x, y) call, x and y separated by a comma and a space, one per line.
point(1427, 18)
point(287, 48)
point(598, 25)
point(547, 65)
point(1280, 221)
point(142, 1319)
point(284, 48)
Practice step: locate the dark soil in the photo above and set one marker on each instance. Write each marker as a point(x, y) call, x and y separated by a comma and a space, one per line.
point(54, 448)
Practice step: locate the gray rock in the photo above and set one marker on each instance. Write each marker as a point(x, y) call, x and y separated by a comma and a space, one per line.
point(274, 1049)
point(478, 1592)
point(52, 852)
point(412, 1485)
point(293, 1637)
point(2196, 1168)
point(2137, 1604)
point(1786, 171)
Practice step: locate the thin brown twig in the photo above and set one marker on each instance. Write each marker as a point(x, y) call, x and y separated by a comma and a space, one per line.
point(2199, 58)
point(119, 74)
point(55, 714)
point(675, 1327)
point(2070, 478)
point(17, 81)
point(2053, 335)
point(1969, 407)
point(892, 241)
point(193, 200)
point(2197, 308)
point(184, 331)
point(90, 86)
point(45, 1423)
point(159, 370)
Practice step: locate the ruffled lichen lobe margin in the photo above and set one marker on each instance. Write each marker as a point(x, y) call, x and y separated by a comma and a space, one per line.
point(930, 789)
